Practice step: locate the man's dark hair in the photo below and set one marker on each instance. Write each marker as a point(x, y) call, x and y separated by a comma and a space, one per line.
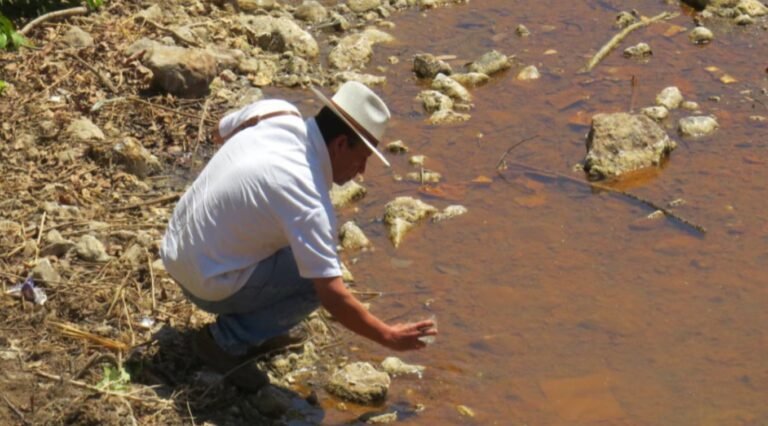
point(331, 126)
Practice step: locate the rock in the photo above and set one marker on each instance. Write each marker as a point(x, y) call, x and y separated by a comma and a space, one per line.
point(449, 213)
point(529, 73)
point(251, 6)
point(346, 274)
point(424, 176)
point(90, 249)
point(311, 11)
point(490, 63)
point(451, 87)
point(434, 100)
point(367, 79)
point(697, 4)
point(402, 214)
point(417, 160)
point(342, 196)
point(697, 126)
point(619, 143)
point(361, 6)
point(56, 245)
point(640, 50)
point(59, 211)
point(522, 31)
point(471, 79)
point(700, 35)
point(744, 19)
point(447, 116)
point(134, 256)
point(657, 113)
point(689, 105)
point(379, 418)
point(45, 272)
point(396, 367)
point(624, 19)
point(261, 71)
point(181, 72)
point(352, 237)
point(83, 130)
point(669, 97)
point(281, 35)
point(143, 44)
point(76, 38)
point(425, 65)
point(136, 159)
point(352, 52)
point(377, 36)
point(397, 147)
point(359, 382)
point(152, 13)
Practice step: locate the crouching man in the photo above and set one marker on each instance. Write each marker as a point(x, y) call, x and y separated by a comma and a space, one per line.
point(253, 240)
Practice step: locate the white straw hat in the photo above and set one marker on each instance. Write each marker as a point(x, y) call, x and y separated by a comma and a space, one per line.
point(362, 110)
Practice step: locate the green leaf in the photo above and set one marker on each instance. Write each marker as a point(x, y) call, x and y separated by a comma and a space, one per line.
point(18, 40)
point(3, 85)
point(3, 41)
point(114, 378)
point(6, 26)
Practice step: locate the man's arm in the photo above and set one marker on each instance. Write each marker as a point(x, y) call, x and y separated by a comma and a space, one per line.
point(336, 299)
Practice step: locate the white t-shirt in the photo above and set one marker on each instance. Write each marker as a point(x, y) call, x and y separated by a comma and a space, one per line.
point(265, 189)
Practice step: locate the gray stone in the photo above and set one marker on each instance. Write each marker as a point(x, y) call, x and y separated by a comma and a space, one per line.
point(76, 38)
point(522, 31)
point(471, 79)
point(136, 159)
point(402, 214)
point(352, 237)
point(490, 63)
point(45, 272)
point(359, 382)
point(355, 51)
point(426, 65)
point(134, 256)
point(619, 143)
point(367, 79)
point(640, 50)
point(669, 97)
point(281, 35)
point(697, 126)
point(91, 249)
point(700, 35)
point(311, 11)
point(448, 116)
point(451, 87)
point(56, 245)
point(83, 130)
point(181, 72)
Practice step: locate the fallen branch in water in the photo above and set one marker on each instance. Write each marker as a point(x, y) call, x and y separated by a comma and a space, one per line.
point(500, 163)
point(618, 38)
point(602, 187)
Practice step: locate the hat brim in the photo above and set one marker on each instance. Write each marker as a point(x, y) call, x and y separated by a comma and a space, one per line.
point(354, 125)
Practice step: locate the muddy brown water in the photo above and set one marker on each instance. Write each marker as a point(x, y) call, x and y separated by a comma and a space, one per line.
point(555, 305)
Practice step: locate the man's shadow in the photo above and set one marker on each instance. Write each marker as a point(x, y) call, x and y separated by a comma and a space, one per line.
point(168, 363)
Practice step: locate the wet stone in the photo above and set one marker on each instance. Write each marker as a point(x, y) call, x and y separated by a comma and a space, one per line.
point(352, 237)
point(640, 50)
point(625, 19)
point(380, 419)
point(449, 213)
point(426, 65)
point(311, 11)
point(529, 73)
point(397, 147)
point(689, 105)
point(434, 100)
point(471, 79)
point(424, 176)
point(447, 116)
point(701, 35)
point(359, 382)
point(451, 87)
point(396, 367)
point(697, 126)
point(619, 143)
point(657, 113)
point(490, 63)
point(367, 79)
point(744, 20)
point(402, 214)
point(522, 31)
point(669, 97)
point(342, 196)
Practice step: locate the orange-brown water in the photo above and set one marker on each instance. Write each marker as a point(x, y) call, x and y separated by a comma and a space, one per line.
point(554, 308)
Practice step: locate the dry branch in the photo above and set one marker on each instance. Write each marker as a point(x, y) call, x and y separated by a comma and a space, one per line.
point(140, 399)
point(103, 78)
point(618, 38)
point(75, 11)
point(173, 33)
point(72, 331)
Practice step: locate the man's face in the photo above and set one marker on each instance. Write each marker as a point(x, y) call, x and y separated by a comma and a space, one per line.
point(347, 161)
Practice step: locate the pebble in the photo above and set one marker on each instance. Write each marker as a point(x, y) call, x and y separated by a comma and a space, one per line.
point(639, 50)
point(670, 97)
point(522, 31)
point(657, 113)
point(700, 35)
point(529, 73)
point(744, 20)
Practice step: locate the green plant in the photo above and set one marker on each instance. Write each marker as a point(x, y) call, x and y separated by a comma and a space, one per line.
point(9, 38)
point(3, 85)
point(94, 4)
point(115, 379)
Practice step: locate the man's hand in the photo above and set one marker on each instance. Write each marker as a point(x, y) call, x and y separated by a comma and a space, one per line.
point(404, 337)
point(337, 300)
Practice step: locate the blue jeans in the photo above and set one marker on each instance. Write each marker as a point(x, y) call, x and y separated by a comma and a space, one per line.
point(274, 299)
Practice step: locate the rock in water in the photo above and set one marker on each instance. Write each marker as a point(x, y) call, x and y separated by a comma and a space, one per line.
point(402, 214)
point(359, 382)
point(697, 125)
point(619, 143)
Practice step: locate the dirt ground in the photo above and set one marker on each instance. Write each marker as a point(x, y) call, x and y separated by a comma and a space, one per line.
point(64, 362)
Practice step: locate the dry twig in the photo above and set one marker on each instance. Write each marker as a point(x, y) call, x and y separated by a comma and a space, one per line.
point(72, 331)
point(75, 11)
point(15, 410)
point(141, 399)
point(103, 78)
point(618, 38)
point(158, 200)
point(173, 33)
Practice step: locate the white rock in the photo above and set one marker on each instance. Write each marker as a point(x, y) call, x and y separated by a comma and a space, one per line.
point(657, 113)
point(395, 366)
point(701, 35)
point(669, 97)
point(352, 237)
point(698, 125)
point(449, 213)
point(529, 73)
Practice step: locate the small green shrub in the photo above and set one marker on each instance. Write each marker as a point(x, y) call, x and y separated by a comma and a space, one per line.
point(9, 38)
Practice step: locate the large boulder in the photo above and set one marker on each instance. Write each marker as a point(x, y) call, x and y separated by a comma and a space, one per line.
point(181, 72)
point(280, 35)
point(620, 142)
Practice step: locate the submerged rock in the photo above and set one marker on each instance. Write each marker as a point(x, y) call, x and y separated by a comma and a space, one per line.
point(352, 237)
point(424, 176)
point(426, 65)
point(657, 113)
point(447, 116)
point(396, 367)
point(697, 126)
point(471, 79)
point(451, 87)
point(449, 213)
point(640, 50)
point(359, 382)
point(490, 63)
point(619, 143)
point(402, 214)
point(434, 100)
point(342, 196)
point(529, 73)
point(700, 35)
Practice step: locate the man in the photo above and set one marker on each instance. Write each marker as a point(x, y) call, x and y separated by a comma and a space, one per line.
point(253, 240)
